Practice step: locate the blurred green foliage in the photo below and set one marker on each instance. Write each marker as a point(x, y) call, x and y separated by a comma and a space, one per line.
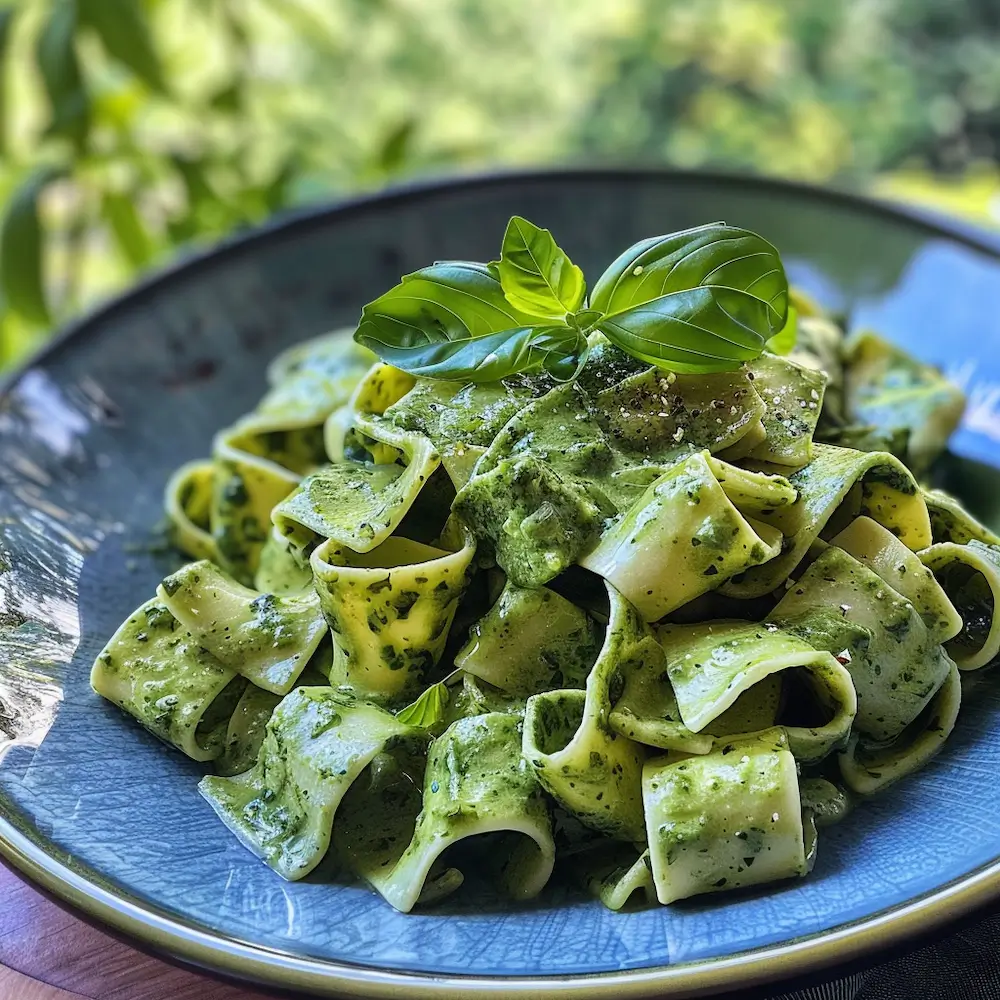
point(132, 128)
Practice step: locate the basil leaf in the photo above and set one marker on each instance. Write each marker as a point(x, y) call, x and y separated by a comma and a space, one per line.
point(427, 710)
point(783, 342)
point(450, 300)
point(558, 350)
point(701, 300)
point(536, 274)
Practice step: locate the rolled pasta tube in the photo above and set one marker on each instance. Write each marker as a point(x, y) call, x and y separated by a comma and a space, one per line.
point(318, 742)
point(883, 553)
point(188, 503)
point(724, 820)
point(868, 770)
point(161, 675)
point(581, 759)
point(531, 641)
point(246, 489)
point(710, 666)
point(842, 606)
point(683, 538)
point(951, 522)
point(355, 504)
point(838, 485)
point(267, 639)
point(970, 576)
point(476, 783)
point(390, 609)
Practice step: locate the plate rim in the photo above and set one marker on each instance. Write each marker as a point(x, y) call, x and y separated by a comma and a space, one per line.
point(213, 951)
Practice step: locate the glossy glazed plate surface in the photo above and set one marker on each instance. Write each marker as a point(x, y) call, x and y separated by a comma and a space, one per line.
point(92, 807)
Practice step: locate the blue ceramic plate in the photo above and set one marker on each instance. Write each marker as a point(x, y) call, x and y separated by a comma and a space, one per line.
point(105, 817)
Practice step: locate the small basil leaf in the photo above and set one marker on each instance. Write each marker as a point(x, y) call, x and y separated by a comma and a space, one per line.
point(450, 300)
point(427, 710)
point(585, 320)
point(783, 342)
point(701, 300)
point(486, 359)
point(536, 274)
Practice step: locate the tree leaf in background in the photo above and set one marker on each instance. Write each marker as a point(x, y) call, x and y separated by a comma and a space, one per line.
point(536, 274)
point(55, 53)
point(21, 267)
point(395, 147)
point(6, 23)
point(700, 300)
point(276, 193)
point(427, 710)
point(130, 234)
point(783, 342)
point(124, 32)
point(229, 97)
point(557, 350)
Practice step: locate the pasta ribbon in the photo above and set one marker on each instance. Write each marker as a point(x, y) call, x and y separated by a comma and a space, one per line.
point(727, 819)
point(476, 783)
point(842, 606)
point(260, 459)
point(710, 666)
point(159, 673)
point(390, 608)
point(895, 397)
point(267, 639)
point(837, 486)
point(614, 872)
point(951, 522)
point(318, 742)
point(868, 770)
point(905, 571)
point(188, 505)
point(685, 536)
point(246, 730)
point(531, 641)
point(793, 397)
point(970, 576)
point(588, 767)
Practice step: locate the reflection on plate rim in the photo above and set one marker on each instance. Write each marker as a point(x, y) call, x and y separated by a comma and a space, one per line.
point(284, 969)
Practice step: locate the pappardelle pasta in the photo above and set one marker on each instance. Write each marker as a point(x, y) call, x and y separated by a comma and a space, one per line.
point(650, 626)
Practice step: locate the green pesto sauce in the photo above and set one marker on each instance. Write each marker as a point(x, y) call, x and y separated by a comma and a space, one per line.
point(531, 641)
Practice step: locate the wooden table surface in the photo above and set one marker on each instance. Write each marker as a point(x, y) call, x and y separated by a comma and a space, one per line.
point(47, 954)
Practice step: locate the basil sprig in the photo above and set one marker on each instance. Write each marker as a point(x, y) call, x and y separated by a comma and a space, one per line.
point(701, 300)
point(428, 710)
